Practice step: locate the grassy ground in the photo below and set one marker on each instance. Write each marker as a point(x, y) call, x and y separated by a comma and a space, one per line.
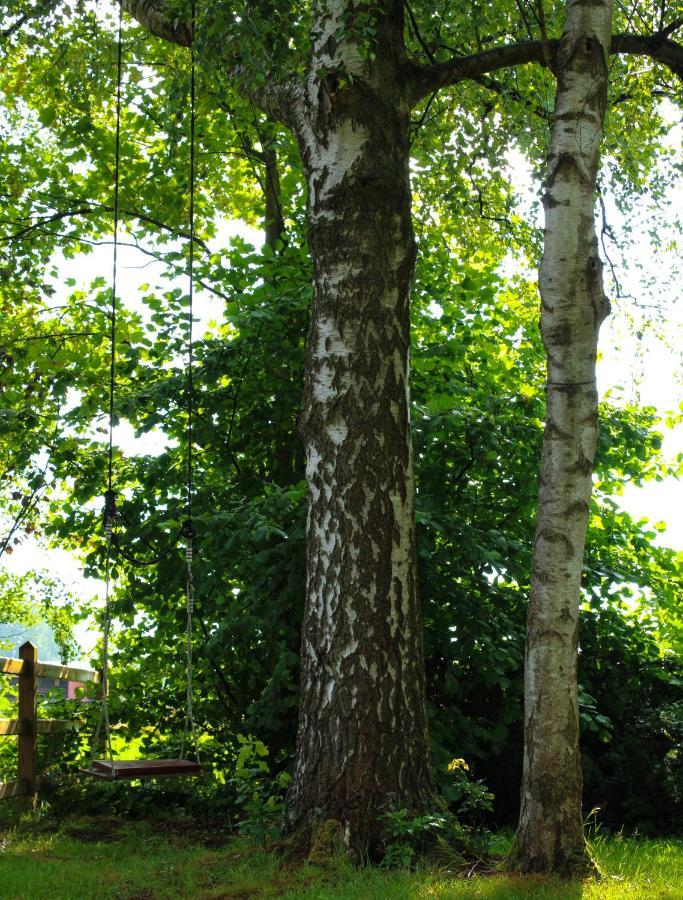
point(106, 859)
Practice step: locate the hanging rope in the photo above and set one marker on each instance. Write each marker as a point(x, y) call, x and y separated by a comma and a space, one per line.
point(190, 315)
point(103, 720)
point(189, 726)
point(109, 516)
point(110, 497)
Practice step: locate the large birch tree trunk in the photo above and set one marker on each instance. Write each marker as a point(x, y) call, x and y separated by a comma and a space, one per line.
point(573, 306)
point(362, 744)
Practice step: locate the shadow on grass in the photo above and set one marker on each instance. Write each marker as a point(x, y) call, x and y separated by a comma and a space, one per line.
point(511, 887)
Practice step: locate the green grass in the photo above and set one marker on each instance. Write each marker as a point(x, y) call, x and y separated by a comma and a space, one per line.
point(106, 859)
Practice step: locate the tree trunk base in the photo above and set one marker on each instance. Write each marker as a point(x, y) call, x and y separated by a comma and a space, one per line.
point(327, 842)
point(577, 864)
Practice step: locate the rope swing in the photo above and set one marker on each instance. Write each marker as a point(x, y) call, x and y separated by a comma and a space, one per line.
point(110, 768)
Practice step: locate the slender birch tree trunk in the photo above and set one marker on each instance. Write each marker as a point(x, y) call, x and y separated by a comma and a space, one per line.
point(362, 744)
point(573, 306)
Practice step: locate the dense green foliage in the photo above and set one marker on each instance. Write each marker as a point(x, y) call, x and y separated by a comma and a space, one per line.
point(477, 403)
point(38, 608)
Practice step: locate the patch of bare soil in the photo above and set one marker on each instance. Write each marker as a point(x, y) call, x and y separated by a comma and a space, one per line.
point(94, 829)
point(237, 894)
point(212, 834)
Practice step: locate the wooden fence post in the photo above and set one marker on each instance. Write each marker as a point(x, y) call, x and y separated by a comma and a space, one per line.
point(28, 695)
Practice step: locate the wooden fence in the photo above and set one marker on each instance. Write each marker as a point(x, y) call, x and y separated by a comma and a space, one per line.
point(28, 726)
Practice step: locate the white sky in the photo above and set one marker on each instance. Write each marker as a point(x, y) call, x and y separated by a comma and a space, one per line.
point(648, 370)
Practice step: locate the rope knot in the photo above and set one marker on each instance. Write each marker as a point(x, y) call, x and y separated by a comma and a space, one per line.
point(187, 530)
point(110, 513)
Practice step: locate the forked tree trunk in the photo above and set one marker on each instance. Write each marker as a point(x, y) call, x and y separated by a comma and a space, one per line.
point(362, 744)
point(573, 306)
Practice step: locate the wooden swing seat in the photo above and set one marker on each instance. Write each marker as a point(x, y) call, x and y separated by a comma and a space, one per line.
point(142, 768)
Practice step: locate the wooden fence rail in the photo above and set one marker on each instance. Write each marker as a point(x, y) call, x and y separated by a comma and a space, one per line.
point(28, 726)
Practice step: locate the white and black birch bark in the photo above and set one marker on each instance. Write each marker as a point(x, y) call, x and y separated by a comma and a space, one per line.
point(362, 744)
point(573, 306)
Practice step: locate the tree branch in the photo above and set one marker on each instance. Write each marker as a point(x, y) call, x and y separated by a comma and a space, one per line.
point(91, 209)
point(278, 99)
point(416, 31)
point(657, 47)
point(40, 9)
point(427, 79)
point(159, 21)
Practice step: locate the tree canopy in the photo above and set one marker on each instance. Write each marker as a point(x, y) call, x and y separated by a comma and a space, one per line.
point(477, 367)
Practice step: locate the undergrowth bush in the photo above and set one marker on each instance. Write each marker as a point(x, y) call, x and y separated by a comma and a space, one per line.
point(438, 836)
point(260, 796)
point(449, 836)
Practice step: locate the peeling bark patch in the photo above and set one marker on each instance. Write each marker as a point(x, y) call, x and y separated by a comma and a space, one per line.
point(560, 336)
point(557, 538)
